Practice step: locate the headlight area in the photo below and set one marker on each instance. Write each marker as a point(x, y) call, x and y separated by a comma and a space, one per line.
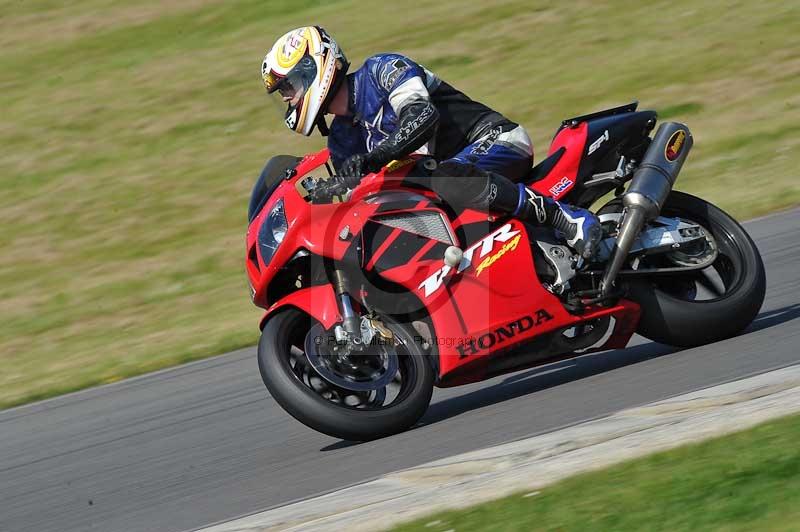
point(272, 231)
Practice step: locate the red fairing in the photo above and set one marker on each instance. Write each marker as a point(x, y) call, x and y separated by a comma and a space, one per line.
point(311, 227)
point(626, 319)
point(495, 303)
point(317, 301)
point(491, 302)
point(562, 178)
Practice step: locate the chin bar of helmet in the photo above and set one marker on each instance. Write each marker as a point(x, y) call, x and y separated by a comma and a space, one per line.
point(652, 182)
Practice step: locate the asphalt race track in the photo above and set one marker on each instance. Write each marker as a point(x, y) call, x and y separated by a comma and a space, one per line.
point(204, 442)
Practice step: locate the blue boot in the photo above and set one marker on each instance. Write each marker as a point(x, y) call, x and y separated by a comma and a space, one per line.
point(579, 227)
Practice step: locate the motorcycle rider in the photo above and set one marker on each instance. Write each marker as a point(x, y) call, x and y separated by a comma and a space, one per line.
point(391, 107)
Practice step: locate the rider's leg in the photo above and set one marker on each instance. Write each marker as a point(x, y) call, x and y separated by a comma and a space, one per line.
point(481, 176)
point(477, 182)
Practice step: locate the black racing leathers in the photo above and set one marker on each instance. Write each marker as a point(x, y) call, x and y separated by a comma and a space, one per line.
point(462, 120)
point(467, 185)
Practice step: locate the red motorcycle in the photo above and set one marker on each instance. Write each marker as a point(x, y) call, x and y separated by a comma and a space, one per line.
point(375, 295)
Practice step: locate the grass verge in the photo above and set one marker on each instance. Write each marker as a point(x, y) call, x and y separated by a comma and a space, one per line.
point(132, 133)
point(741, 482)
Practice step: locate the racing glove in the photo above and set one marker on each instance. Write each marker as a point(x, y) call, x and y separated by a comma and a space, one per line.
point(356, 166)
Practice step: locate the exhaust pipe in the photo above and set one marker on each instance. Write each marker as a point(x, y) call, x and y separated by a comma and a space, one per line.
point(651, 184)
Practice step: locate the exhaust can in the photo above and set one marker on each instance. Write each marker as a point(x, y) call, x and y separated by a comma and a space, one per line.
point(653, 180)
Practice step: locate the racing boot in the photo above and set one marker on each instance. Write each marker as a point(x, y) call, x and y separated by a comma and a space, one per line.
point(579, 227)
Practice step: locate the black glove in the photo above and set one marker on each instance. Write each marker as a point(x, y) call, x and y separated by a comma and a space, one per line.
point(355, 167)
point(324, 191)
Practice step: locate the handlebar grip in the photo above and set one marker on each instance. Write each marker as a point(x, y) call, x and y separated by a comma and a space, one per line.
point(335, 186)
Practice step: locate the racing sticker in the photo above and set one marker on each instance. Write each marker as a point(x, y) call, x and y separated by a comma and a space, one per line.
point(506, 235)
point(511, 245)
point(291, 119)
point(596, 144)
point(490, 339)
point(674, 145)
point(561, 186)
point(398, 163)
point(293, 48)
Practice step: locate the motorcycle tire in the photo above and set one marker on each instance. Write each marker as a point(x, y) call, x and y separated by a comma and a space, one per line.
point(676, 321)
point(339, 420)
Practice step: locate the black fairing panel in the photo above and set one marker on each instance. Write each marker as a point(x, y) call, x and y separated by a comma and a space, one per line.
point(608, 138)
point(612, 136)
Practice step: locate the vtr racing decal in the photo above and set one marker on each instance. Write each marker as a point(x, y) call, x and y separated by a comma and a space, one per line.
point(506, 234)
point(511, 245)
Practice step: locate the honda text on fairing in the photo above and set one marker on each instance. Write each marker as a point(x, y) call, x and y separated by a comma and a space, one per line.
point(375, 295)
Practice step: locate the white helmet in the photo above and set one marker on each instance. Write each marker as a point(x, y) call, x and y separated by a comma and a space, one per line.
point(306, 67)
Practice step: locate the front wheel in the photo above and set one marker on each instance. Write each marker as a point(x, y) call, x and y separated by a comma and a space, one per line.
point(708, 305)
point(380, 391)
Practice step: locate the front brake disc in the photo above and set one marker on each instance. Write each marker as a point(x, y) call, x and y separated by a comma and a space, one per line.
point(369, 370)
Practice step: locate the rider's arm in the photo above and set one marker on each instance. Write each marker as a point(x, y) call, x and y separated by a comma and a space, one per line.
point(400, 82)
point(417, 121)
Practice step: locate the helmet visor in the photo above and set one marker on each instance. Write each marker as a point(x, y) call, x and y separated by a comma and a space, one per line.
point(293, 87)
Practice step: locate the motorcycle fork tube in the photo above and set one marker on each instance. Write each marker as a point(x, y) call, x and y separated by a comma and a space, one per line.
point(350, 319)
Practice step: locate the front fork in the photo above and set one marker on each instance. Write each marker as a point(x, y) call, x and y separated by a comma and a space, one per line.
point(350, 330)
point(357, 332)
point(652, 182)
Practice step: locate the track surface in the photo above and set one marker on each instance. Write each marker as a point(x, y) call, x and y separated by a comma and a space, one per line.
point(204, 442)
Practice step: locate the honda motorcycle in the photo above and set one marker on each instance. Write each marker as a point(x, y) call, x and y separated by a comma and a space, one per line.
point(375, 295)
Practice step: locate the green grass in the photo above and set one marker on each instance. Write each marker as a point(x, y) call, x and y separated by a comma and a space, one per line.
point(741, 482)
point(132, 133)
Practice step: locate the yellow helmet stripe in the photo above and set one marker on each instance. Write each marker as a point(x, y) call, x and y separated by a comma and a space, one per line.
point(289, 52)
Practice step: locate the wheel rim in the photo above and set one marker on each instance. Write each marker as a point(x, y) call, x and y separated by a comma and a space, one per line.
point(713, 283)
point(369, 370)
point(379, 384)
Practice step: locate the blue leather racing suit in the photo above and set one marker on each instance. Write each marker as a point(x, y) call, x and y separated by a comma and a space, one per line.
point(396, 107)
point(465, 132)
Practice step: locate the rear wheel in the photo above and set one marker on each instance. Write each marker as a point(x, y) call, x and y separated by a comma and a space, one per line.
point(381, 391)
point(707, 305)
